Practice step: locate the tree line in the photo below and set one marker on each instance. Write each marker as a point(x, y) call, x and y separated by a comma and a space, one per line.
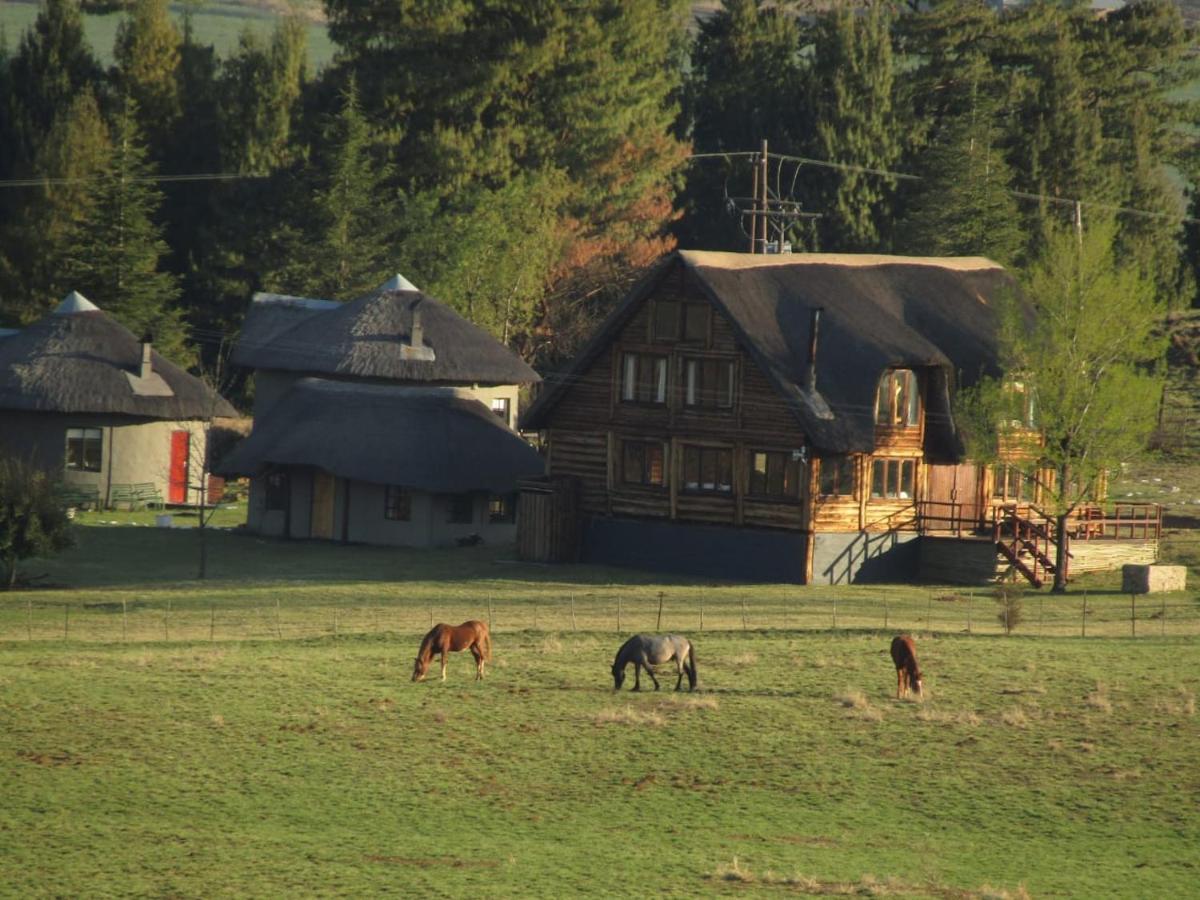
point(524, 160)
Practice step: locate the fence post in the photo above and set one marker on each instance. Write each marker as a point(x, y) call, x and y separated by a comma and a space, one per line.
point(66, 621)
point(885, 612)
point(1162, 619)
point(490, 628)
point(968, 613)
point(278, 627)
point(702, 610)
point(835, 612)
point(124, 621)
point(335, 618)
point(1006, 631)
point(535, 624)
point(29, 616)
point(212, 621)
point(1133, 615)
point(1041, 613)
point(618, 613)
point(929, 614)
point(1083, 618)
point(743, 614)
point(167, 621)
point(574, 624)
point(658, 627)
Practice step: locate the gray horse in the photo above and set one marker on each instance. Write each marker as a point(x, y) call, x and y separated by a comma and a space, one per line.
point(646, 651)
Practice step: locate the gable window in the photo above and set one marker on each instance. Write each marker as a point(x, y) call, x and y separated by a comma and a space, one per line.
point(397, 504)
point(502, 508)
point(708, 383)
point(675, 320)
point(643, 378)
point(1010, 484)
point(85, 449)
point(1022, 404)
point(897, 403)
point(642, 462)
point(277, 491)
point(461, 509)
point(774, 473)
point(708, 469)
point(837, 476)
point(892, 479)
point(500, 408)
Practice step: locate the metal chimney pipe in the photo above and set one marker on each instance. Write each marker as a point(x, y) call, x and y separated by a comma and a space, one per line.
point(813, 329)
point(417, 338)
point(147, 342)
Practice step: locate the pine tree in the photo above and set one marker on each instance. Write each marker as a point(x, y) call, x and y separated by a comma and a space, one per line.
point(147, 53)
point(857, 125)
point(117, 246)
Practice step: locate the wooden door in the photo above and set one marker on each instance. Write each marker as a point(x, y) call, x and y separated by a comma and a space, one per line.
point(953, 492)
point(322, 505)
point(177, 483)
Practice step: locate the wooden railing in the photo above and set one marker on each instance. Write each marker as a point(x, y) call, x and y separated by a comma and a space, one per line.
point(1027, 538)
point(945, 517)
point(1124, 522)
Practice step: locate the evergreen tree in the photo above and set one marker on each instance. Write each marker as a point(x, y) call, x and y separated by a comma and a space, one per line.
point(1084, 347)
point(147, 53)
point(745, 86)
point(38, 240)
point(857, 125)
point(117, 246)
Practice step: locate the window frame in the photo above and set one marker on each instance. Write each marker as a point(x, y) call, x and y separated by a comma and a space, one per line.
point(646, 465)
point(1005, 475)
point(889, 393)
point(397, 503)
point(630, 389)
point(698, 394)
point(790, 466)
point(86, 438)
point(454, 509)
point(507, 513)
point(846, 470)
point(277, 491)
point(720, 459)
point(670, 319)
point(893, 469)
point(505, 408)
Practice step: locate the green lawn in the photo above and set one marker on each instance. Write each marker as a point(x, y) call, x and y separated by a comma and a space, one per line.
point(257, 734)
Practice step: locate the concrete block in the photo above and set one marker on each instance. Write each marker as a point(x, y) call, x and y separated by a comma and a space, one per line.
point(1139, 579)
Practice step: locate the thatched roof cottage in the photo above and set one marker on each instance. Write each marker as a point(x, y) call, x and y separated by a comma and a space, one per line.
point(81, 395)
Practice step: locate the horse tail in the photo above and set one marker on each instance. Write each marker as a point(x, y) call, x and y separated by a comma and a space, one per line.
point(486, 641)
point(690, 668)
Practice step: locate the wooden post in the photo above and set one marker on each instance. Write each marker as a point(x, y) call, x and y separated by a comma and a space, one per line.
point(212, 622)
point(1162, 619)
point(929, 614)
point(431, 615)
point(535, 624)
point(885, 613)
point(835, 612)
point(490, 626)
point(744, 614)
point(335, 618)
point(29, 616)
point(1083, 619)
point(701, 610)
point(969, 613)
point(658, 627)
point(574, 624)
point(1133, 615)
point(278, 627)
point(66, 621)
point(1006, 631)
point(618, 613)
point(124, 621)
point(167, 621)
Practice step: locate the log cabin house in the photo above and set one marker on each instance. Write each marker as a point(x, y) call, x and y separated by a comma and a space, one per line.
point(785, 417)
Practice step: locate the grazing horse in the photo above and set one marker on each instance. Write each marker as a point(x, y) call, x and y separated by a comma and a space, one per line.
point(445, 639)
point(908, 674)
point(646, 651)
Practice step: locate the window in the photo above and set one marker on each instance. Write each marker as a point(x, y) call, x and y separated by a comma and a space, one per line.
point(1022, 404)
point(774, 474)
point(643, 378)
point(837, 476)
point(502, 508)
point(642, 463)
point(708, 383)
point(277, 491)
point(461, 509)
point(892, 479)
point(675, 321)
point(85, 449)
point(708, 469)
point(897, 404)
point(500, 408)
point(1012, 485)
point(397, 504)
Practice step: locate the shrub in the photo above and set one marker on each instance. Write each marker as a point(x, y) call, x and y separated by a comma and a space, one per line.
point(33, 521)
point(1009, 598)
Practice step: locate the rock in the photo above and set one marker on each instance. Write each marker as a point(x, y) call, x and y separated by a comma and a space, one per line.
point(1142, 579)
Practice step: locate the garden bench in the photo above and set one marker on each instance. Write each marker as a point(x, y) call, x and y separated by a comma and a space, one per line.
point(80, 496)
point(135, 495)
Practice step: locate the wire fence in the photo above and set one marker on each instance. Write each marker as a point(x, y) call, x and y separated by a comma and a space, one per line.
point(1076, 615)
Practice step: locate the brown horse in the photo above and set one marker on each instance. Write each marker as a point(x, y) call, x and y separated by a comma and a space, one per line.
point(908, 673)
point(443, 639)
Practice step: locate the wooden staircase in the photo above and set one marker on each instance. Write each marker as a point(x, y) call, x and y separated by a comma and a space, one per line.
point(1027, 539)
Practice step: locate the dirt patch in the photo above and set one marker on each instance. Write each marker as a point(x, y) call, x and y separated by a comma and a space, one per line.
point(429, 862)
point(50, 760)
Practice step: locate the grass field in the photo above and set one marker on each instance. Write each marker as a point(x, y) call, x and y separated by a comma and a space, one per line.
point(288, 751)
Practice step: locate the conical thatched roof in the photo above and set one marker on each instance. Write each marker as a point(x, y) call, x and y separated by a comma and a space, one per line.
point(78, 360)
point(431, 439)
point(372, 337)
point(879, 312)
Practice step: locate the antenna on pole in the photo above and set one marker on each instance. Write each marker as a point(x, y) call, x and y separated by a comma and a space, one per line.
point(762, 182)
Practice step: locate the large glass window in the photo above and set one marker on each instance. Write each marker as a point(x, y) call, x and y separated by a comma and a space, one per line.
point(642, 462)
point(837, 476)
point(708, 469)
point(708, 383)
point(397, 504)
point(500, 408)
point(892, 479)
point(643, 378)
point(675, 321)
point(774, 473)
point(85, 449)
point(502, 508)
point(1010, 484)
point(898, 403)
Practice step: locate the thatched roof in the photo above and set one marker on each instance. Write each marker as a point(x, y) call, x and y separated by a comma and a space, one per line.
point(372, 338)
point(78, 360)
point(879, 312)
point(431, 439)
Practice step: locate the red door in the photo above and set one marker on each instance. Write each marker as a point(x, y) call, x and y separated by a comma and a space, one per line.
point(177, 489)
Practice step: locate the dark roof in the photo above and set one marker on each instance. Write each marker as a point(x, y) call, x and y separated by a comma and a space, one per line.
point(432, 439)
point(371, 337)
point(78, 360)
point(879, 312)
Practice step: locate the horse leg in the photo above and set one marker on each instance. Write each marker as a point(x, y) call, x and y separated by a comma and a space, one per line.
point(477, 651)
point(637, 675)
point(678, 673)
point(443, 665)
point(650, 672)
point(899, 682)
